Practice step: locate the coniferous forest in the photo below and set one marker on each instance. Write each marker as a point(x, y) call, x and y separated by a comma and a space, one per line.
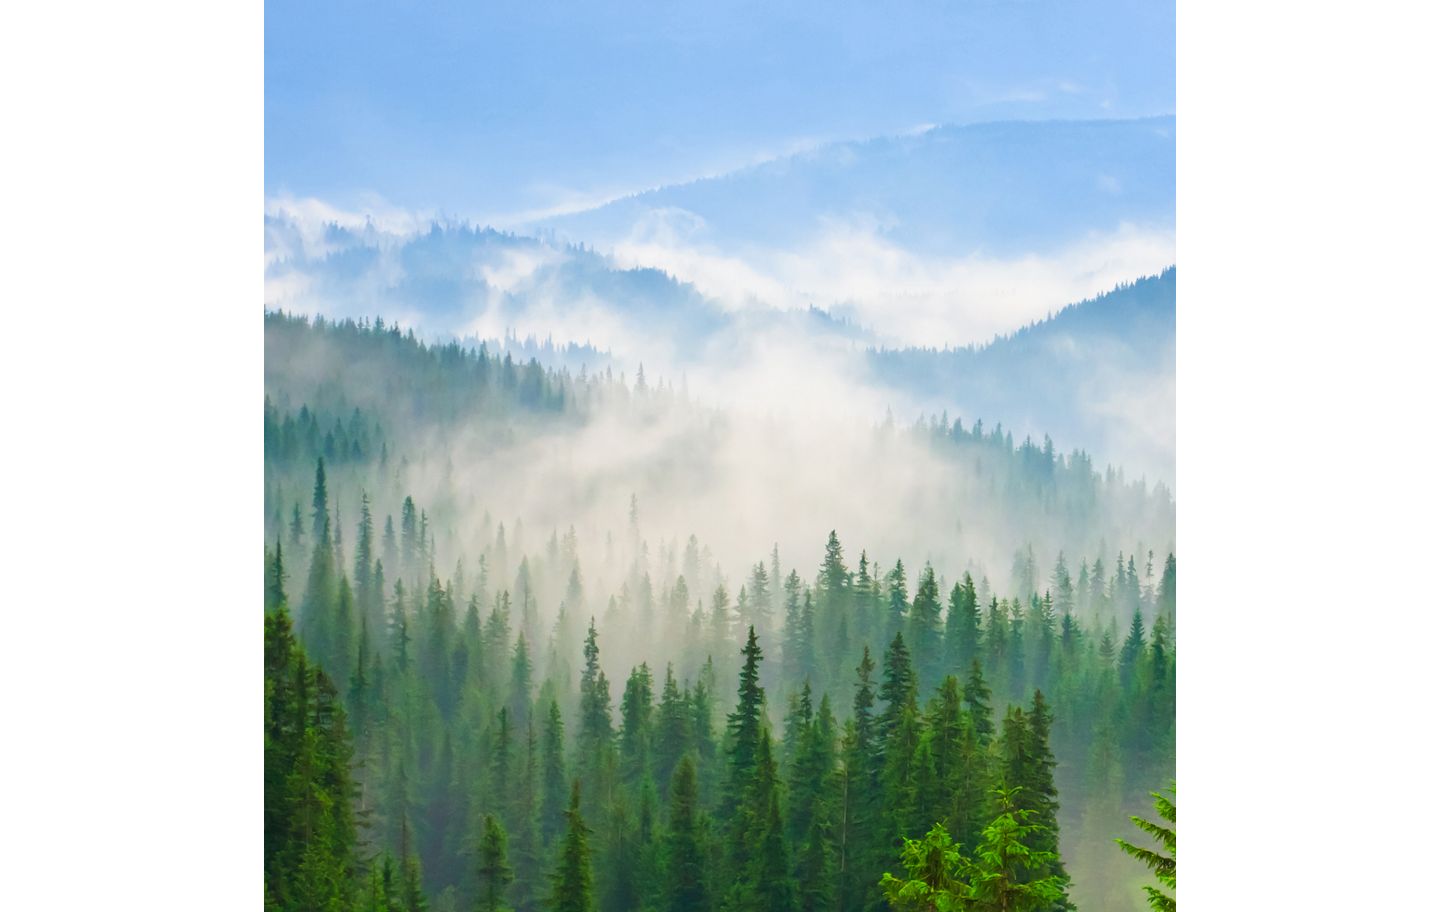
point(533, 643)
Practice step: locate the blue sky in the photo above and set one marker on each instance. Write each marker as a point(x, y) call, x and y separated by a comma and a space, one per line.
point(487, 110)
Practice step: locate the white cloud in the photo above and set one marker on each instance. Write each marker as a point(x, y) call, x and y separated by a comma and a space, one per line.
point(909, 299)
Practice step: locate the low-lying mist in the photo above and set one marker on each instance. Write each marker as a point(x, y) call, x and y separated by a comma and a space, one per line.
point(626, 473)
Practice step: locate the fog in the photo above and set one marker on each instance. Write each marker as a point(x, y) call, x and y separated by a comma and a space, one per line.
point(743, 482)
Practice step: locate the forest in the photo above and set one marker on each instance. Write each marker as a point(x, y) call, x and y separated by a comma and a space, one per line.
point(542, 639)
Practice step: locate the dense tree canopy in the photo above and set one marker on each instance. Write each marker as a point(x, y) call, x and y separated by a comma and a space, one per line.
point(441, 729)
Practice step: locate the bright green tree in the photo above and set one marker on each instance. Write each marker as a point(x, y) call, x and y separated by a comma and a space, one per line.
point(1006, 875)
point(1162, 864)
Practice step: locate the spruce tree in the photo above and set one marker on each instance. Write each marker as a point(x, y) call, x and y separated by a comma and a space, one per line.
point(977, 701)
point(795, 648)
point(1163, 865)
point(275, 580)
point(685, 860)
point(898, 689)
point(924, 629)
point(962, 625)
point(494, 869)
point(895, 582)
point(552, 794)
point(744, 727)
point(1132, 649)
point(933, 875)
point(673, 729)
point(1007, 875)
point(571, 886)
point(636, 725)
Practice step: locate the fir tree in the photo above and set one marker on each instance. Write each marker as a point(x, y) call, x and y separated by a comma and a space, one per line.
point(673, 728)
point(1163, 865)
point(977, 701)
point(635, 725)
point(1006, 874)
point(571, 886)
point(962, 625)
point(924, 628)
point(685, 887)
point(494, 869)
point(898, 689)
point(552, 795)
point(744, 728)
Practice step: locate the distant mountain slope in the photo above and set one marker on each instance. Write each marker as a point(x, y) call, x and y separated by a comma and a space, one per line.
point(1097, 375)
point(1100, 373)
point(461, 281)
point(996, 188)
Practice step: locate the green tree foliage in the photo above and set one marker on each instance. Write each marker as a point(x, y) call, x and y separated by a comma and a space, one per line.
point(1002, 875)
point(1007, 875)
point(552, 797)
point(685, 888)
point(744, 729)
point(493, 869)
point(934, 876)
point(924, 629)
point(470, 703)
point(310, 833)
point(571, 885)
point(1161, 863)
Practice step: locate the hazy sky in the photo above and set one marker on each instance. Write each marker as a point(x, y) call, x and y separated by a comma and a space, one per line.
point(485, 110)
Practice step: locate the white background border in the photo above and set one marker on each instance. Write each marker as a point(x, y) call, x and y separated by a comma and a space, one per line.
point(133, 185)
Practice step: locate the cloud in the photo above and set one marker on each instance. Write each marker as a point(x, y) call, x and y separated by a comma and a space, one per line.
point(850, 268)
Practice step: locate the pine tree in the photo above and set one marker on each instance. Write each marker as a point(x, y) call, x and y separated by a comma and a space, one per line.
point(412, 894)
point(895, 582)
point(761, 609)
point(861, 837)
point(744, 727)
point(898, 689)
point(1132, 649)
point(770, 887)
point(933, 881)
point(813, 812)
point(525, 840)
point(673, 728)
point(685, 871)
point(1162, 864)
point(310, 830)
point(501, 781)
point(834, 578)
point(1041, 795)
point(962, 625)
point(275, 580)
point(317, 606)
point(319, 504)
point(552, 795)
point(977, 700)
point(571, 886)
point(924, 629)
point(297, 529)
point(365, 562)
point(635, 725)
point(1165, 597)
point(1007, 875)
point(520, 672)
point(494, 869)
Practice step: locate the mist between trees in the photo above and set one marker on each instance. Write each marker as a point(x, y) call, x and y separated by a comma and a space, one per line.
point(831, 635)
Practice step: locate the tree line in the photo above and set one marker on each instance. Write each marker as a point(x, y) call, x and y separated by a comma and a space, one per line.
point(429, 746)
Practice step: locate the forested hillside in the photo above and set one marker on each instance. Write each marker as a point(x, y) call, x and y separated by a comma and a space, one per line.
point(1100, 370)
point(542, 639)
